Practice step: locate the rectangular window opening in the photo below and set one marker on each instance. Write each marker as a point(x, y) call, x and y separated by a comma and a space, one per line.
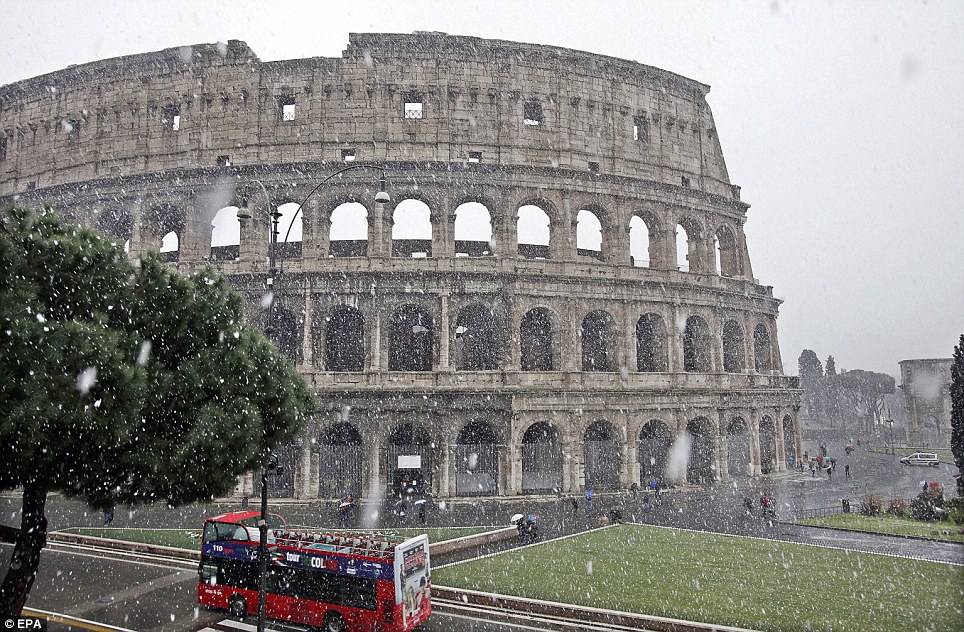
point(684, 181)
point(286, 108)
point(171, 117)
point(348, 155)
point(413, 109)
point(475, 156)
point(176, 123)
point(640, 129)
point(3, 148)
point(594, 167)
point(224, 161)
point(532, 113)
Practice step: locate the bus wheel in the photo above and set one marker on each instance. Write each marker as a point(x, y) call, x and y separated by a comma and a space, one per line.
point(334, 622)
point(238, 607)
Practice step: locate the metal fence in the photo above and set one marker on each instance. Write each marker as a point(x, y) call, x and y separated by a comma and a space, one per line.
point(541, 467)
point(340, 470)
point(477, 469)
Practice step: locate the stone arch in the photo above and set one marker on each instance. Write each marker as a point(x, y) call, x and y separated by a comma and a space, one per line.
point(738, 444)
point(534, 230)
point(655, 439)
point(589, 234)
point(284, 330)
point(640, 242)
point(412, 229)
point(114, 221)
point(477, 459)
point(345, 339)
point(697, 355)
point(762, 349)
point(541, 458)
point(165, 223)
point(536, 340)
point(409, 456)
point(728, 253)
point(473, 230)
point(479, 339)
point(411, 339)
point(341, 457)
point(652, 344)
point(699, 469)
point(734, 347)
point(226, 235)
point(349, 230)
point(601, 456)
point(789, 441)
point(768, 445)
point(597, 335)
point(689, 234)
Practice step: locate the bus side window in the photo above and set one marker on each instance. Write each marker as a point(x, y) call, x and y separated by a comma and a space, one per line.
point(209, 574)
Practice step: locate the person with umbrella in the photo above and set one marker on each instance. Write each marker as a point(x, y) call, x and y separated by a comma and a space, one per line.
point(345, 510)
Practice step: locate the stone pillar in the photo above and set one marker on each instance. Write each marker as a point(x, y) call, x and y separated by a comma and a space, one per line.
point(781, 451)
point(674, 342)
point(570, 341)
point(514, 338)
point(371, 472)
point(723, 455)
point(375, 356)
point(625, 460)
point(194, 241)
point(445, 335)
point(448, 480)
point(615, 243)
point(505, 232)
point(304, 475)
point(380, 231)
point(757, 471)
point(308, 342)
point(717, 450)
point(663, 248)
point(562, 234)
point(138, 230)
point(515, 476)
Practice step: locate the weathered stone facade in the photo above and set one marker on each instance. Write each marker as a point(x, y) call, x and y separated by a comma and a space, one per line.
point(506, 364)
point(926, 385)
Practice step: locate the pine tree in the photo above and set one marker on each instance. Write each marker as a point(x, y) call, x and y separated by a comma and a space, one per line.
point(811, 373)
point(957, 412)
point(123, 383)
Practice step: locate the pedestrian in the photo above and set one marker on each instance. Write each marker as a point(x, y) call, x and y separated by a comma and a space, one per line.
point(656, 489)
point(575, 506)
point(813, 469)
point(109, 516)
point(421, 511)
point(829, 473)
point(589, 495)
point(634, 491)
point(748, 504)
point(846, 470)
point(923, 486)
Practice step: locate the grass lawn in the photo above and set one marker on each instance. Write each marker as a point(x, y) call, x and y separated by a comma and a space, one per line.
point(945, 530)
point(181, 538)
point(712, 578)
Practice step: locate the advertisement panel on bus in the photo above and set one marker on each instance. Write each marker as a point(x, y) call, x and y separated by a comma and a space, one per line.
point(413, 578)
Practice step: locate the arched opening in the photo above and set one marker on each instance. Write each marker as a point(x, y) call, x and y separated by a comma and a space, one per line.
point(789, 442)
point(345, 340)
point(639, 248)
point(734, 360)
point(541, 459)
point(412, 230)
point(655, 439)
point(411, 340)
point(478, 340)
point(602, 459)
point(535, 340)
point(285, 331)
point(652, 344)
point(409, 458)
point(170, 247)
point(290, 226)
point(348, 235)
point(473, 230)
point(532, 232)
point(476, 460)
point(930, 430)
point(114, 222)
point(696, 346)
point(597, 335)
point(682, 249)
point(738, 458)
point(226, 235)
point(699, 470)
point(727, 254)
point(340, 459)
point(588, 235)
point(762, 350)
point(768, 445)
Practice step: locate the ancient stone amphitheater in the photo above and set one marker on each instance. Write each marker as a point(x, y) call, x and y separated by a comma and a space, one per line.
point(558, 292)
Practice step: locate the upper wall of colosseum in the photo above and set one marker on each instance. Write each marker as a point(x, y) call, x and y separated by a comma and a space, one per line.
point(418, 97)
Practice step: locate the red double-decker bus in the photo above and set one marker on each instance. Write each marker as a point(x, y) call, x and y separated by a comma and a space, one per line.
point(337, 580)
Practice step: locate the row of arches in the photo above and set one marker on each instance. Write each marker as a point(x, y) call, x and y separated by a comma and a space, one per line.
point(481, 463)
point(681, 241)
point(480, 341)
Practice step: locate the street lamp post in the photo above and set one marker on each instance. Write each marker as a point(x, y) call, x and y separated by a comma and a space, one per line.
point(274, 263)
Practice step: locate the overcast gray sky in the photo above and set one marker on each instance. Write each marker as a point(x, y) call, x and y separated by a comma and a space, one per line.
point(842, 121)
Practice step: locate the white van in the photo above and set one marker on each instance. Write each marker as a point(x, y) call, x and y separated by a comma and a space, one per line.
point(920, 458)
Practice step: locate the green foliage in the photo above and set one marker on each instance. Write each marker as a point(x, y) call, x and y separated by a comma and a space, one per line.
point(955, 509)
point(129, 383)
point(957, 412)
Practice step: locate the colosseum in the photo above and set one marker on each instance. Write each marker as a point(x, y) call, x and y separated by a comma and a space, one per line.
point(557, 292)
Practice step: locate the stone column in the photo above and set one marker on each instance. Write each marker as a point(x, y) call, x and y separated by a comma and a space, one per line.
point(562, 237)
point(448, 480)
point(757, 471)
point(380, 231)
point(674, 343)
point(445, 335)
point(723, 456)
point(304, 474)
point(505, 233)
point(515, 476)
point(138, 230)
point(375, 356)
point(371, 472)
point(307, 341)
point(781, 451)
point(615, 243)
